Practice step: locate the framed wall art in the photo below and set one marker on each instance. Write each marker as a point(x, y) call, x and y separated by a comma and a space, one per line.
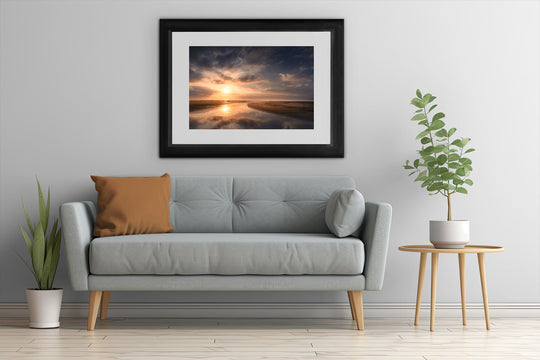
point(251, 88)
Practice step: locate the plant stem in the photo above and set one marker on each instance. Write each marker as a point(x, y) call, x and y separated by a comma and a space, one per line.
point(449, 217)
point(428, 124)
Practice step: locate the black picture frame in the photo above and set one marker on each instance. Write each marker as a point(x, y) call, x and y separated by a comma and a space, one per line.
point(335, 147)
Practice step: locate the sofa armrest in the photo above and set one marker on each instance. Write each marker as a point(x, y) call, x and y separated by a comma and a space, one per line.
point(375, 233)
point(77, 226)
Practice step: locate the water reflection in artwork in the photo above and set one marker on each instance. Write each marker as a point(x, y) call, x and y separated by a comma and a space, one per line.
point(255, 115)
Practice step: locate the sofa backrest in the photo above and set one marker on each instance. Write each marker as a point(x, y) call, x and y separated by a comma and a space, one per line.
point(258, 204)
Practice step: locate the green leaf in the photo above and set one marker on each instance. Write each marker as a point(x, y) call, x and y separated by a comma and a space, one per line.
point(462, 190)
point(28, 221)
point(38, 251)
point(433, 107)
point(465, 161)
point(48, 207)
point(461, 172)
point(441, 133)
point(457, 143)
point(439, 148)
point(467, 167)
point(435, 186)
point(422, 134)
point(453, 165)
point(436, 125)
point(416, 162)
point(440, 170)
point(49, 243)
point(419, 110)
point(443, 169)
point(43, 211)
point(421, 176)
point(453, 157)
point(447, 176)
point(53, 232)
point(427, 99)
point(408, 167)
point(418, 117)
point(438, 116)
point(468, 182)
point(29, 267)
point(451, 132)
point(457, 181)
point(55, 258)
point(46, 271)
point(441, 159)
point(425, 140)
point(465, 141)
point(412, 172)
point(27, 240)
point(418, 93)
point(423, 122)
point(469, 150)
point(427, 151)
point(418, 103)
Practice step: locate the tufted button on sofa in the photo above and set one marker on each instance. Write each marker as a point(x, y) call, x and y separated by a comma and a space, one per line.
point(233, 233)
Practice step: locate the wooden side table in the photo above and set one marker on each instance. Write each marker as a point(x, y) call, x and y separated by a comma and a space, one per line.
point(480, 250)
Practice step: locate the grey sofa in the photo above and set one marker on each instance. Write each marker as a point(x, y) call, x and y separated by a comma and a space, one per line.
point(232, 233)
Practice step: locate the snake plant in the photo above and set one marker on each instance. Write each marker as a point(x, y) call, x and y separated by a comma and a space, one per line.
point(44, 248)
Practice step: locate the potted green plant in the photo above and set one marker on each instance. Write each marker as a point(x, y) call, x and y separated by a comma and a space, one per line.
point(442, 168)
point(44, 301)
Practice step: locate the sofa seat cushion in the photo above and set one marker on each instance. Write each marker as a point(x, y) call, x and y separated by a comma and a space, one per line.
point(227, 254)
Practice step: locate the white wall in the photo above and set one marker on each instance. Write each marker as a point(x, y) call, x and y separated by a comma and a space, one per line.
point(79, 96)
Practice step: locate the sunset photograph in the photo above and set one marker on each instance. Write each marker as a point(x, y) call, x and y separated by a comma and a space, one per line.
point(251, 87)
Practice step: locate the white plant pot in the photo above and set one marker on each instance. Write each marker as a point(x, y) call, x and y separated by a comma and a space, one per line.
point(453, 234)
point(44, 308)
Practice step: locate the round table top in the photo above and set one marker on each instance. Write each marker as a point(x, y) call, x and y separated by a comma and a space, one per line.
point(467, 249)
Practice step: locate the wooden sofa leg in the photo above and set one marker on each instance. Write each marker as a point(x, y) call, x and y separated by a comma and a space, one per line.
point(351, 304)
point(104, 305)
point(93, 308)
point(358, 307)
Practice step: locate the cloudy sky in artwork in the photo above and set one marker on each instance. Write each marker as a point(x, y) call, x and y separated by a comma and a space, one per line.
point(251, 73)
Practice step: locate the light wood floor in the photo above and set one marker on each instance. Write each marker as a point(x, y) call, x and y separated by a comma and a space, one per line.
point(119, 338)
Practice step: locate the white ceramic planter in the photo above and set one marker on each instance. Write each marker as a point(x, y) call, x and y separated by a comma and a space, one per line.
point(453, 234)
point(44, 308)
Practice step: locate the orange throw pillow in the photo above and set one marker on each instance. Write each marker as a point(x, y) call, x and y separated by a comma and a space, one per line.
point(132, 205)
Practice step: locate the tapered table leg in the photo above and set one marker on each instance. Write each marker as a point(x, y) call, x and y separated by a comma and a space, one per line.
point(482, 268)
point(461, 257)
point(423, 256)
point(434, 265)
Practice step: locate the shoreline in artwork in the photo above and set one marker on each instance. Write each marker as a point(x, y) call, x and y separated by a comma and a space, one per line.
point(302, 110)
point(198, 105)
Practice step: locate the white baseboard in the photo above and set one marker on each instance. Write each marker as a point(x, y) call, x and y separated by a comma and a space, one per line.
point(279, 310)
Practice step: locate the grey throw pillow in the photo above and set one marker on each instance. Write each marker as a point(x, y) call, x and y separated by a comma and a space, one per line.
point(345, 212)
